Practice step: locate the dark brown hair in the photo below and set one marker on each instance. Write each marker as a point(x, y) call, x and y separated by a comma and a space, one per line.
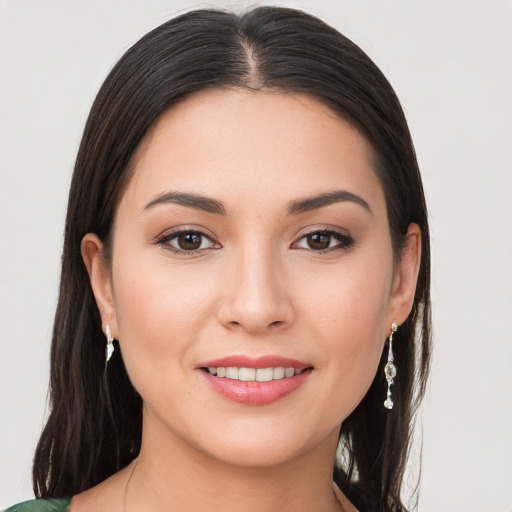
point(95, 421)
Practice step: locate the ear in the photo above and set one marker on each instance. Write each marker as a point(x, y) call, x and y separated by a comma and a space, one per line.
point(99, 276)
point(406, 276)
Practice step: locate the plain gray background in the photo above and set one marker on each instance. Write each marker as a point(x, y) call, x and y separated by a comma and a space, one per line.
point(450, 63)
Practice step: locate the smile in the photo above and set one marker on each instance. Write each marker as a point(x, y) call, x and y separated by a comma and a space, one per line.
point(255, 381)
point(253, 374)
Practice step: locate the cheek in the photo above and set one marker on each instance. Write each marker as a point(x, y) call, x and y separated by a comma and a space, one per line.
point(348, 315)
point(351, 299)
point(159, 313)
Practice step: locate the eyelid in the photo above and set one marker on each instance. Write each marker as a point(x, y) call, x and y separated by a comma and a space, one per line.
point(343, 237)
point(171, 234)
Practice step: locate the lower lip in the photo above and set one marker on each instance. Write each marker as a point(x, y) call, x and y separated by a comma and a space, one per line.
point(256, 393)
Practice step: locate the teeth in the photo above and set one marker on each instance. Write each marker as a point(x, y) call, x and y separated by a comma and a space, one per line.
point(264, 374)
point(247, 374)
point(231, 373)
point(279, 373)
point(254, 374)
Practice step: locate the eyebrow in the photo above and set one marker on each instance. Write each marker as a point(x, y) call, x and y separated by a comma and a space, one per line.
point(326, 199)
point(210, 205)
point(196, 201)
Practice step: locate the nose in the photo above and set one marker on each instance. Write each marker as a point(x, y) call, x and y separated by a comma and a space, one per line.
point(256, 298)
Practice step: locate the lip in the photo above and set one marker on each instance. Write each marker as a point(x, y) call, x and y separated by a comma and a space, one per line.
point(255, 393)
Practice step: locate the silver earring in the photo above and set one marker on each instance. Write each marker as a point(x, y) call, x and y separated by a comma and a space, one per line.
point(110, 345)
point(390, 368)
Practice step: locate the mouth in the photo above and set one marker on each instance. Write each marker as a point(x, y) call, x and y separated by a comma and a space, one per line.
point(257, 381)
point(253, 374)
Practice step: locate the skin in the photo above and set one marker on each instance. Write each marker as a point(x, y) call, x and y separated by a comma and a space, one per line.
point(255, 287)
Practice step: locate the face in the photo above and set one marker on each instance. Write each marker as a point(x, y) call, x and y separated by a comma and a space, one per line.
point(252, 282)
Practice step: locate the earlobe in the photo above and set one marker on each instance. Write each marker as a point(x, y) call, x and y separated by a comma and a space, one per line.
point(406, 277)
point(99, 276)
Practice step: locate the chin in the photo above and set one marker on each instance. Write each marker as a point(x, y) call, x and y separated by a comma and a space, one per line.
point(258, 453)
point(253, 443)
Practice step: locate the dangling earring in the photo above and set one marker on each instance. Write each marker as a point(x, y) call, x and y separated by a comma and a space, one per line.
point(110, 345)
point(390, 368)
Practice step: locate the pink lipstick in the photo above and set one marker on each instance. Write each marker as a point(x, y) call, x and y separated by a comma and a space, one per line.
point(255, 381)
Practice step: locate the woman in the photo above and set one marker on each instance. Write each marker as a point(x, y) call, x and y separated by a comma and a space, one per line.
point(244, 302)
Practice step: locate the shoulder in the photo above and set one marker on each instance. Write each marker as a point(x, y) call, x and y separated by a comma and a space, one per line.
point(40, 505)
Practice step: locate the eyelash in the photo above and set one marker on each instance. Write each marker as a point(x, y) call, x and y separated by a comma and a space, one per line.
point(344, 241)
point(166, 240)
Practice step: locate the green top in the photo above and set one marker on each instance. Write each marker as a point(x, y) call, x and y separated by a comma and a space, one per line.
point(41, 505)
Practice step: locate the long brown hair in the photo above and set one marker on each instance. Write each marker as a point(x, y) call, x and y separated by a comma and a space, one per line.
point(95, 424)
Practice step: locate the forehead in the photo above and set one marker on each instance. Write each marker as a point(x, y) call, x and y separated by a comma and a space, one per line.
point(220, 142)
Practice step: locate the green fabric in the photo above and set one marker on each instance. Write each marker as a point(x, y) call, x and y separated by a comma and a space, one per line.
point(41, 506)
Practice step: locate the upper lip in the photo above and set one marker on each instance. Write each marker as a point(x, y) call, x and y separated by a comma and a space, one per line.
point(267, 361)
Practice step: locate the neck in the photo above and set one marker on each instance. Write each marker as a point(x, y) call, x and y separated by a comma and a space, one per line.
point(170, 476)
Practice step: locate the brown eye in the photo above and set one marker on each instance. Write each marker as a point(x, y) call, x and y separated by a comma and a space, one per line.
point(187, 241)
point(324, 241)
point(318, 241)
